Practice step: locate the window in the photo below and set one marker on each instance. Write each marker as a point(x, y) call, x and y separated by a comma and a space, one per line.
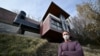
point(56, 24)
point(22, 17)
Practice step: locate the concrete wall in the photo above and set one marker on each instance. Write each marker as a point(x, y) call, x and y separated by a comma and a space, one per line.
point(6, 28)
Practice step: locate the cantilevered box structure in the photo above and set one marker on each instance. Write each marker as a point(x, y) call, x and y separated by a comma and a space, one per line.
point(53, 23)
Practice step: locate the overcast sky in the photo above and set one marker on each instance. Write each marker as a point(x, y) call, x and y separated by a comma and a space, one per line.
point(37, 8)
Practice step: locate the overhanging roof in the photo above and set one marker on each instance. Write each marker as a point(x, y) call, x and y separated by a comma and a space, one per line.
point(55, 10)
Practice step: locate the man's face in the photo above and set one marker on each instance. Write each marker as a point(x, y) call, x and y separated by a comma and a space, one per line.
point(65, 33)
point(66, 36)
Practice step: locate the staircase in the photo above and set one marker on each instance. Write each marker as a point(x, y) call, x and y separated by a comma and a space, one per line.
point(50, 49)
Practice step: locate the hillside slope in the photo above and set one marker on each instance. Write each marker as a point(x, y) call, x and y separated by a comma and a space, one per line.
point(50, 49)
point(15, 45)
point(12, 45)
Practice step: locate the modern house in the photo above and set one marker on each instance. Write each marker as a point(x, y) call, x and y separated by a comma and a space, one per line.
point(53, 23)
point(50, 27)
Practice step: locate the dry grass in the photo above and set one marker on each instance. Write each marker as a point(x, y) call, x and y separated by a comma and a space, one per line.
point(15, 45)
point(88, 51)
point(12, 45)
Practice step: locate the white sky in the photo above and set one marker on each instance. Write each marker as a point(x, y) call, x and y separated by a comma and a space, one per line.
point(37, 8)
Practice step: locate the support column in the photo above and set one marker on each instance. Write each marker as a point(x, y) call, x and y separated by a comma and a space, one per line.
point(21, 30)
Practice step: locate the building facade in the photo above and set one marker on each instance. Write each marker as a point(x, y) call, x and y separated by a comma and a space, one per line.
point(51, 27)
point(54, 23)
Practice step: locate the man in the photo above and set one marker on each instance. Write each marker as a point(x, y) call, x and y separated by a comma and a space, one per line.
point(69, 47)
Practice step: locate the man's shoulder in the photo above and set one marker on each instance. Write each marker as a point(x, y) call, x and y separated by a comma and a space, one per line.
point(62, 43)
point(71, 41)
point(76, 42)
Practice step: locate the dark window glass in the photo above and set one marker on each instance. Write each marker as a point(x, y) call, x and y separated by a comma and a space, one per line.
point(22, 17)
point(56, 24)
